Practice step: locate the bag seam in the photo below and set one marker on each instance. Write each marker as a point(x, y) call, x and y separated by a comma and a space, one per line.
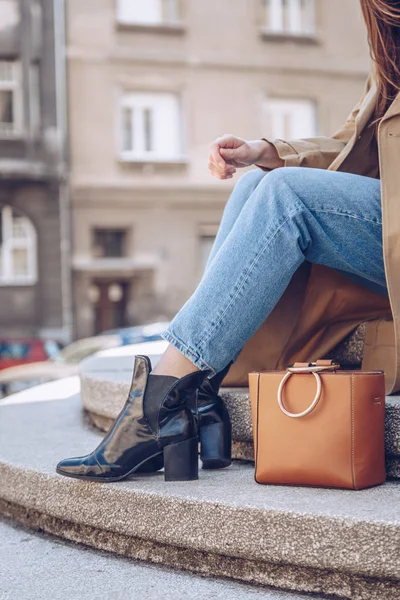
point(353, 475)
point(257, 422)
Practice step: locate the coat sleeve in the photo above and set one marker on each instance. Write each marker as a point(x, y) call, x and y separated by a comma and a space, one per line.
point(318, 152)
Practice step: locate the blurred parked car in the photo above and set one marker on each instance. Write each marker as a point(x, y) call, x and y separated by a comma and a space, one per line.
point(140, 333)
point(64, 363)
point(20, 351)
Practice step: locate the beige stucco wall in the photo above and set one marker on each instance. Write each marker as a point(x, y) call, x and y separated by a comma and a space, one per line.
point(223, 68)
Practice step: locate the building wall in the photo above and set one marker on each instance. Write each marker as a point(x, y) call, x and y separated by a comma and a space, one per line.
point(223, 66)
point(35, 310)
point(32, 171)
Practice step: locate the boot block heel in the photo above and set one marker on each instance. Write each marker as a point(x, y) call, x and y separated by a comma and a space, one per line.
point(216, 445)
point(181, 462)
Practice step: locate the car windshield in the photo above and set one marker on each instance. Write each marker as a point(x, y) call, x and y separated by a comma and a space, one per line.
point(14, 350)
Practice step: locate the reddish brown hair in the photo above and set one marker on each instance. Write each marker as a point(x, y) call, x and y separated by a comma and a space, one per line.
point(382, 18)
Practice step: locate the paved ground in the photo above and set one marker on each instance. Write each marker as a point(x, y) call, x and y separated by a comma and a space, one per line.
point(39, 567)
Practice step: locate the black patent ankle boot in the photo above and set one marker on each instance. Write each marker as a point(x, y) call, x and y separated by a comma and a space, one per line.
point(214, 424)
point(155, 423)
point(215, 430)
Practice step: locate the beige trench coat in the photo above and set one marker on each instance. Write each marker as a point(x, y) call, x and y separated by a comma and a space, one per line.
point(320, 307)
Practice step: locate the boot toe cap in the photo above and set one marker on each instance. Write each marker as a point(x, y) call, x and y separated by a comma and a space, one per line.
point(86, 466)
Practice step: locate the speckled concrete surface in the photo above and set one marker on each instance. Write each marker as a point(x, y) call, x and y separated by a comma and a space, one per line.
point(393, 468)
point(104, 394)
point(53, 569)
point(328, 583)
point(393, 425)
point(225, 513)
point(350, 351)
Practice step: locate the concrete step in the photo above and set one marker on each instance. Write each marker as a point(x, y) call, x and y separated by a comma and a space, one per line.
point(105, 381)
point(60, 570)
point(329, 542)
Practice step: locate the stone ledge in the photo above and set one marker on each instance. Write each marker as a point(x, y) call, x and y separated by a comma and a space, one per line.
point(104, 393)
point(344, 543)
point(50, 579)
point(243, 451)
point(254, 572)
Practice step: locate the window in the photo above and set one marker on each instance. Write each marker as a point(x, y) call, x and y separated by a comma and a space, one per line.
point(295, 17)
point(288, 119)
point(9, 11)
point(151, 128)
point(10, 98)
point(109, 243)
point(17, 248)
point(149, 12)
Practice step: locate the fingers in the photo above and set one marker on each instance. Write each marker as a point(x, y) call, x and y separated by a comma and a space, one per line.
point(221, 144)
point(227, 173)
point(217, 165)
point(222, 173)
point(222, 154)
point(215, 157)
point(228, 141)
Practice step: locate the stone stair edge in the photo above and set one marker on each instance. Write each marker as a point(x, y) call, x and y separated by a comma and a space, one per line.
point(93, 582)
point(318, 537)
point(104, 397)
point(241, 451)
point(282, 581)
point(99, 377)
point(73, 502)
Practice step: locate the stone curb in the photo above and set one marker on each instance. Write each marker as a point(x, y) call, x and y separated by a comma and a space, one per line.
point(284, 577)
point(52, 569)
point(212, 508)
point(104, 395)
point(298, 540)
point(323, 539)
point(243, 451)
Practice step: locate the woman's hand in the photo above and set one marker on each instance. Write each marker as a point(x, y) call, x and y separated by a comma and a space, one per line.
point(228, 152)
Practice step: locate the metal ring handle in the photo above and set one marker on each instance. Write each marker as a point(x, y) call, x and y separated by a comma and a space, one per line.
point(312, 405)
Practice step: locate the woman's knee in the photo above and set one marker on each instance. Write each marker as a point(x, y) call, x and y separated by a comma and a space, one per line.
point(300, 181)
point(280, 187)
point(278, 182)
point(280, 200)
point(243, 189)
point(286, 175)
point(248, 182)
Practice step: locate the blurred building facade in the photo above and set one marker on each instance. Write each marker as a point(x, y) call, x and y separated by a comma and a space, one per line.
point(151, 85)
point(35, 293)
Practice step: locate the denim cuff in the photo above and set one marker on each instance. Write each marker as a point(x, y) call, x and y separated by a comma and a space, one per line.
point(190, 354)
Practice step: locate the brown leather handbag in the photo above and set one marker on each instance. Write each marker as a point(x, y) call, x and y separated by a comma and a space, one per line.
point(315, 424)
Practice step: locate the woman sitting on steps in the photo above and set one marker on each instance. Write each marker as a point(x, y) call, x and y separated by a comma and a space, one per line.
point(332, 203)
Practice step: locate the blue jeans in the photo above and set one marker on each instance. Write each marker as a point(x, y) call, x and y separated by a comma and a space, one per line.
point(271, 224)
